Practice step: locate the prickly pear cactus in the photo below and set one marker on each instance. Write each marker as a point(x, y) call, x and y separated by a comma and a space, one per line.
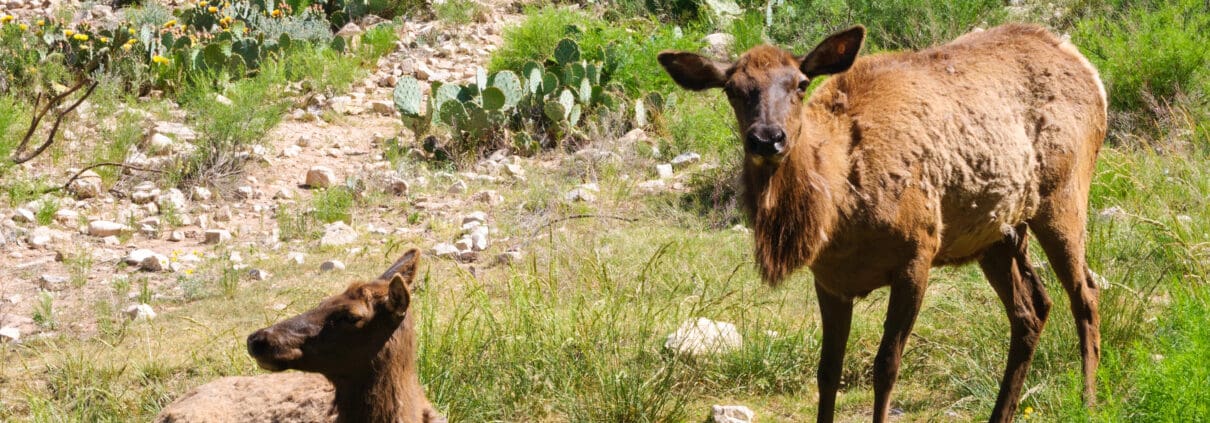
point(554, 111)
point(567, 51)
point(550, 83)
point(585, 92)
point(567, 100)
point(494, 98)
point(656, 101)
point(573, 117)
point(408, 97)
point(453, 114)
point(510, 85)
point(533, 81)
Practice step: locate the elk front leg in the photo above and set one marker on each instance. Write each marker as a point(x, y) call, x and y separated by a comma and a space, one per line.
point(907, 293)
point(836, 314)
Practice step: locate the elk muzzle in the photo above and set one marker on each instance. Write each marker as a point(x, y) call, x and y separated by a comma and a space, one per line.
point(765, 140)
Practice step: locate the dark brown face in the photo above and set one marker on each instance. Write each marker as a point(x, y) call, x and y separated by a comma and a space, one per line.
point(766, 87)
point(344, 332)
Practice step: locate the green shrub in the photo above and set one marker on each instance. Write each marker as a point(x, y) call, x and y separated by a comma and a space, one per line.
point(1157, 51)
point(892, 25)
point(333, 204)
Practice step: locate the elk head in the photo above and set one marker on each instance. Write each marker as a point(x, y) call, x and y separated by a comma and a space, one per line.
point(344, 332)
point(766, 87)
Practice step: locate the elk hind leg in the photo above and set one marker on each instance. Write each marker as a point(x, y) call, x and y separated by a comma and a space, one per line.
point(1006, 266)
point(1060, 232)
point(907, 294)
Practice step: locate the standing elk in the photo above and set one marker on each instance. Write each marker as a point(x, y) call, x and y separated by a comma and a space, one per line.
point(364, 342)
point(904, 161)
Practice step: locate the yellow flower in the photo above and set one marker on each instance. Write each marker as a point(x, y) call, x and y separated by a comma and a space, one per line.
point(277, 13)
point(212, 9)
point(41, 22)
point(159, 60)
point(126, 47)
point(131, 41)
point(103, 39)
point(201, 3)
point(130, 30)
point(80, 37)
point(22, 27)
point(7, 18)
point(188, 271)
point(1029, 410)
point(170, 23)
point(68, 33)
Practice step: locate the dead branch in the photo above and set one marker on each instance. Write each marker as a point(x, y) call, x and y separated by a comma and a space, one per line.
point(94, 166)
point(18, 155)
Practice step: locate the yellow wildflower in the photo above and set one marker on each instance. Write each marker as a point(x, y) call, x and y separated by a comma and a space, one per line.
point(68, 33)
point(188, 271)
point(159, 60)
point(7, 18)
point(103, 39)
point(170, 23)
point(277, 13)
point(41, 22)
point(130, 30)
point(202, 3)
point(126, 47)
point(212, 9)
point(80, 37)
point(22, 27)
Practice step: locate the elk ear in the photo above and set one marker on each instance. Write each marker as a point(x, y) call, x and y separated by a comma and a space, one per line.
point(401, 275)
point(835, 54)
point(406, 266)
point(692, 71)
point(400, 295)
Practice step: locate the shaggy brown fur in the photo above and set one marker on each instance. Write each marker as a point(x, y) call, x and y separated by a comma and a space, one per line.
point(905, 161)
point(364, 342)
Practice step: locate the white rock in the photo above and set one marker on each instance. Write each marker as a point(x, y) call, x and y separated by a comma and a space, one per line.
point(201, 194)
point(703, 336)
point(491, 197)
point(635, 135)
point(383, 107)
point(731, 414)
point(581, 194)
point(49, 281)
point(259, 274)
point(88, 185)
point(176, 236)
point(719, 44)
point(296, 257)
point(338, 233)
point(140, 312)
point(304, 140)
point(457, 187)
point(154, 263)
point(445, 249)
point(137, 256)
point(159, 144)
point(331, 265)
point(178, 131)
point(216, 236)
point(479, 238)
point(320, 177)
point(221, 99)
point(475, 216)
point(515, 171)
point(23, 215)
point(105, 228)
point(654, 185)
point(245, 192)
point(10, 334)
point(67, 216)
point(664, 170)
point(173, 198)
point(397, 186)
point(685, 159)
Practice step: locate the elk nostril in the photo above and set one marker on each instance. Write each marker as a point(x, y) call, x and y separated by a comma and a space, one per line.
point(258, 343)
point(777, 137)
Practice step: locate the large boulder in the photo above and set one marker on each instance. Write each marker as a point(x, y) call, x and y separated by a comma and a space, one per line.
point(274, 397)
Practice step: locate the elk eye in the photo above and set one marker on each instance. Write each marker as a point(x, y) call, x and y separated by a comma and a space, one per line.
point(345, 318)
point(802, 85)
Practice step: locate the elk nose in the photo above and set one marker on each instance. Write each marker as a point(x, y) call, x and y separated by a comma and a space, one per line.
point(258, 343)
point(766, 140)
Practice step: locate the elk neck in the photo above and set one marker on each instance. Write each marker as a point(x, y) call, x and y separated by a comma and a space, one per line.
point(390, 391)
point(794, 204)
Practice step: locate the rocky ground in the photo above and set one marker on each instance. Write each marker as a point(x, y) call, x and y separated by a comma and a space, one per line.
point(151, 239)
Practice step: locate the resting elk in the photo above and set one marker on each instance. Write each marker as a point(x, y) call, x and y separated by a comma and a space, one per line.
point(364, 342)
point(901, 162)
